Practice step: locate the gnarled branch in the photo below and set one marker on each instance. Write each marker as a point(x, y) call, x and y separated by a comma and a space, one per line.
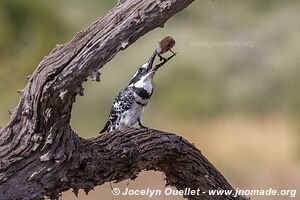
point(40, 154)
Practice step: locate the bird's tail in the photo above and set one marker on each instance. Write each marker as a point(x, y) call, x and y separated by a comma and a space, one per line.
point(105, 128)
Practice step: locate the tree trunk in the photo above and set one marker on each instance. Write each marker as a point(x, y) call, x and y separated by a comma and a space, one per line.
point(40, 154)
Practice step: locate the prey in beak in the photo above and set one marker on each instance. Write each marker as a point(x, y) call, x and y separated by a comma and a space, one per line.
point(147, 70)
point(164, 46)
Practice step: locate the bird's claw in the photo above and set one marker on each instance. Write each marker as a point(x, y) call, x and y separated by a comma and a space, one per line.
point(144, 127)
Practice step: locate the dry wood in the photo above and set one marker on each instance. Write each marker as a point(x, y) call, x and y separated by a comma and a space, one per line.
point(40, 154)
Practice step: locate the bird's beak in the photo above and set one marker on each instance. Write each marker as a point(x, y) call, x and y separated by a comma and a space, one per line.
point(150, 69)
point(151, 60)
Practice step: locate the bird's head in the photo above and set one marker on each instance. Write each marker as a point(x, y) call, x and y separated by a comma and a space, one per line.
point(145, 73)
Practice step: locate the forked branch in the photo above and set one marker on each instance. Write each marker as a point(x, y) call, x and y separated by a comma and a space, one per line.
point(40, 155)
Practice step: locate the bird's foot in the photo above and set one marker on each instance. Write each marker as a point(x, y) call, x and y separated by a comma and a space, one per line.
point(144, 127)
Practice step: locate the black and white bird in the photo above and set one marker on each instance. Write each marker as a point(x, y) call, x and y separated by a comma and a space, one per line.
point(129, 105)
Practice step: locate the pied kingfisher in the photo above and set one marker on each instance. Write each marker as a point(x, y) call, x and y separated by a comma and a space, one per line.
point(129, 105)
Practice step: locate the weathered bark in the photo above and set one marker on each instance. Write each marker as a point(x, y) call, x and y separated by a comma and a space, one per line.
point(40, 154)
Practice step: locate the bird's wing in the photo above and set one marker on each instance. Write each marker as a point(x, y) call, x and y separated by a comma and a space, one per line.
point(122, 102)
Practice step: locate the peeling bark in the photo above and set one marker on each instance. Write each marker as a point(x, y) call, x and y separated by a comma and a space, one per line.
point(40, 154)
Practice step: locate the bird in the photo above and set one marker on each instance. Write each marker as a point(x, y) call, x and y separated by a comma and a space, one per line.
point(165, 45)
point(129, 104)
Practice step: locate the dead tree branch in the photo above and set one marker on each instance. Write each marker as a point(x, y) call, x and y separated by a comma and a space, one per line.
point(40, 154)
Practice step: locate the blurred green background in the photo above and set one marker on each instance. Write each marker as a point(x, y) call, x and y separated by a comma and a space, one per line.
point(233, 89)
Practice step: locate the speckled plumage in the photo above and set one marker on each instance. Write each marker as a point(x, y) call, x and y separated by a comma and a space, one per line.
point(129, 104)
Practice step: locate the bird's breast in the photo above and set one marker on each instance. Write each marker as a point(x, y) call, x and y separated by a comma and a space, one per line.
point(130, 116)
